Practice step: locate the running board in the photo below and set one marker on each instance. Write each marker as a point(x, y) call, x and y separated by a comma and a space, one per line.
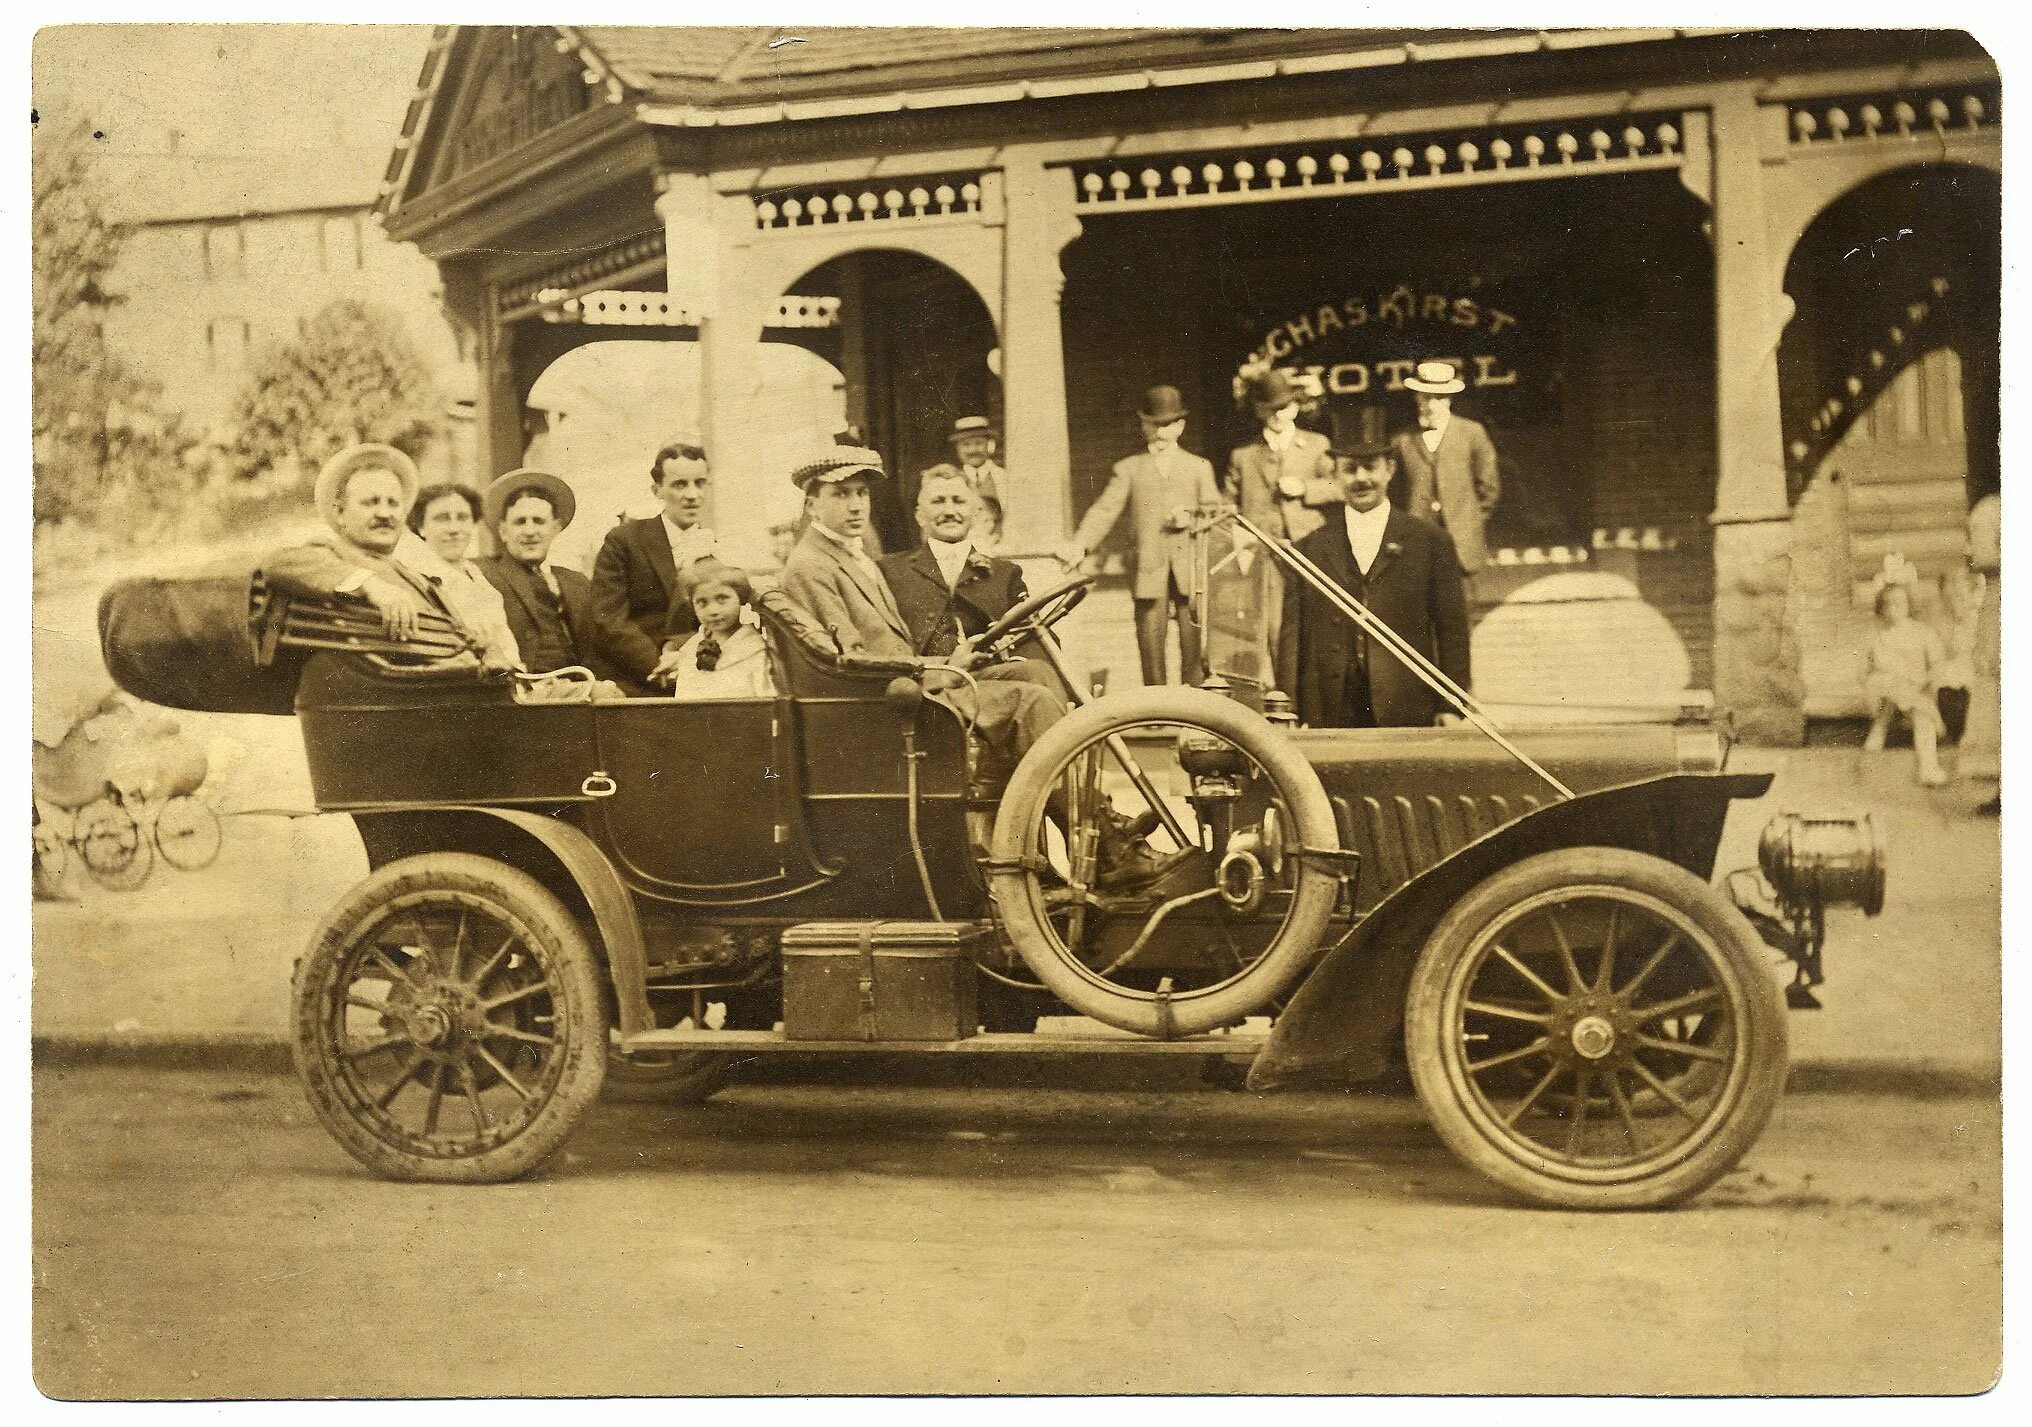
point(997, 1043)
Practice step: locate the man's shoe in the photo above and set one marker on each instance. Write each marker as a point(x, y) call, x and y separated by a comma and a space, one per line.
point(1128, 865)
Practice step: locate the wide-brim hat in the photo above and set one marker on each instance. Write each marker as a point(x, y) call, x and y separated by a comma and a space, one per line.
point(365, 456)
point(1436, 379)
point(1162, 405)
point(1272, 390)
point(503, 488)
point(973, 426)
point(1359, 433)
point(831, 464)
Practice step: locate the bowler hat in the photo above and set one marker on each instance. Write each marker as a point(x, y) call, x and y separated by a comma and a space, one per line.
point(1358, 433)
point(504, 488)
point(1272, 391)
point(1162, 405)
point(363, 456)
point(1436, 379)
point(973, 426)
point(830, 464)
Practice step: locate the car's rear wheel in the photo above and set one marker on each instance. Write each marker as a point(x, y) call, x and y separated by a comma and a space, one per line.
point(450, 1021)
point(1595, 1028)
point(667, 1077)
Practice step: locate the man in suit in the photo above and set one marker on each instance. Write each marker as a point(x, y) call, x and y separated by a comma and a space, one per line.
point(364, 494)
point(1406, 572)
point(550, 607)
point(635, 573)
point(1161, 486)
point(949, 591)
point(974, 439)
point(1449, 464)
point(833, 578)
point(1283, 481)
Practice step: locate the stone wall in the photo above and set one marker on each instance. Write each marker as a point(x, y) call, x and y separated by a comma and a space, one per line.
point(1756, 642)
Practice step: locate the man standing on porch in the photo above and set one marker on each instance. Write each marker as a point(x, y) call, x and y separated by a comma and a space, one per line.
point(974, 439)
point(1449, 464)
point(635, 576)
point(1160, 486)
point(1283, 481)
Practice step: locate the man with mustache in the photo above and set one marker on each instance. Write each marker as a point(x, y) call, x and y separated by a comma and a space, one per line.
point(364, 494)
point(1407, 574)
point(1449, 464)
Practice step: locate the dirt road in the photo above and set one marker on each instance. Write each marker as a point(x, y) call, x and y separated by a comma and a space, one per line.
point(197, 1236)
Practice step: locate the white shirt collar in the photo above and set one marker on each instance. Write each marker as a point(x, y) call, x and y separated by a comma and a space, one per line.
point(1280, 441)
point(849, 543)
point(1365, 532)
point(952, 558)
point(1432, 435)
point(687, 545)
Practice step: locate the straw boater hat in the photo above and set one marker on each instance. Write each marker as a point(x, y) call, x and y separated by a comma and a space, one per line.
point(1162, 405)
point(1436, 379)
point(515, 482)
point(366, 456)
point(831, 464)
point(973, 426)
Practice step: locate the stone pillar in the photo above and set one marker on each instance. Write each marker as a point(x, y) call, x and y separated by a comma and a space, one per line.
point(1756, 647)
point(705, 241)
point(1040, 221)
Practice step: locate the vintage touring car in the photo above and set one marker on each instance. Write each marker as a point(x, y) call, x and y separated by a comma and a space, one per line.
point(565, 892)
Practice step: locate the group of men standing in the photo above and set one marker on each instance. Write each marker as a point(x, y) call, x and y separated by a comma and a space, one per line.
point(1406, 557)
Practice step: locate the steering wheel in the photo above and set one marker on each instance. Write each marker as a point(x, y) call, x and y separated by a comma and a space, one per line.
point(1038, 613)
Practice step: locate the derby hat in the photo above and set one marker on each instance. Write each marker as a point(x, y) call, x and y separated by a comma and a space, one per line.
point(1358, 433)
point(1162, 405)
point(503, 488)
point(1436, 379)
point(973, 426)
point(831, 464)
point(363, 456)
point(1272, 391)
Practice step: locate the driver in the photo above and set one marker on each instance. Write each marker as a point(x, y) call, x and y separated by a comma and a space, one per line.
point(830, 573)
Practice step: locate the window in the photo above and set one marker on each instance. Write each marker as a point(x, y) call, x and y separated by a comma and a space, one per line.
point(339, 243)
point(225, 250)
point(227, 340)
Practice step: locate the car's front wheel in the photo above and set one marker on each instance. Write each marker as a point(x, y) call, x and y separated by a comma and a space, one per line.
point(1595, 1028)
point(450, 1021)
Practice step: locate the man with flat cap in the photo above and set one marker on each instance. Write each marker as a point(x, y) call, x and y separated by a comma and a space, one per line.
point(832, 576)
point(364, 494)
point(1448, 464)
point(550, 607)
point(1160, 486)
point(1407, 574)
point(974, 439)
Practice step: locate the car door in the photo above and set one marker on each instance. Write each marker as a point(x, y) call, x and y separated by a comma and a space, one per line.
point(704, 807)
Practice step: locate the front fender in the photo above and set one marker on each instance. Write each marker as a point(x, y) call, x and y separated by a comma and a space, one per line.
point(400, 834)
point(1342, 1022)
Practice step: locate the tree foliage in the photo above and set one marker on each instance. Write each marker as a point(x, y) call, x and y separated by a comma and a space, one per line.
point(102, 438)
point(351, 373)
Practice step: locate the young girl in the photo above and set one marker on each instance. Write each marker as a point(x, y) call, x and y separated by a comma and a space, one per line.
point(727, 658)
point(1905, 667)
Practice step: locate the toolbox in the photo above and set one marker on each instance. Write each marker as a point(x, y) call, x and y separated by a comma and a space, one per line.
point(881, 981)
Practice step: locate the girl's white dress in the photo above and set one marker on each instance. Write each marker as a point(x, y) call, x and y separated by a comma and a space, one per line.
point(742, 671)
point(1906, 663)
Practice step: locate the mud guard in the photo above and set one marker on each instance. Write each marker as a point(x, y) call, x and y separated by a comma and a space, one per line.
point(581, 860)
point(1342, 1021)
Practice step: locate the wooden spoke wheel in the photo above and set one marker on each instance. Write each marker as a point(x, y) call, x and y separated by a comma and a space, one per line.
point(188, 833)
point(112, 846)
point(1106, 955)
point(450, 1021)
point(1596, 1028)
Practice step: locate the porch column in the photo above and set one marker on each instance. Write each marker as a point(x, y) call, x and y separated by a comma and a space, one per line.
point(497, 415)
point(1756, 646)
point(1039, 222)
point(703, 246)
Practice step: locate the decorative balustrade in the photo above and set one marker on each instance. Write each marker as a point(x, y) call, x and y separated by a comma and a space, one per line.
point(1903, 339)
point(1406, 161)
point(658, 309)
point(1828, 123)
point(874, 201)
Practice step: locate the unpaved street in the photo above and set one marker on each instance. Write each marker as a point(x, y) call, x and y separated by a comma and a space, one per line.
point(197, 1235)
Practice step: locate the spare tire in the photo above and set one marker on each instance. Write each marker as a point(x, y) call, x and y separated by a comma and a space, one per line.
point(1020, 894)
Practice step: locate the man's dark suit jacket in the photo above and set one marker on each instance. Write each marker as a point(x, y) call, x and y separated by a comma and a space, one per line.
point(547, 641)
point(634, 596)
point(989, 588)
point(1415, 585)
